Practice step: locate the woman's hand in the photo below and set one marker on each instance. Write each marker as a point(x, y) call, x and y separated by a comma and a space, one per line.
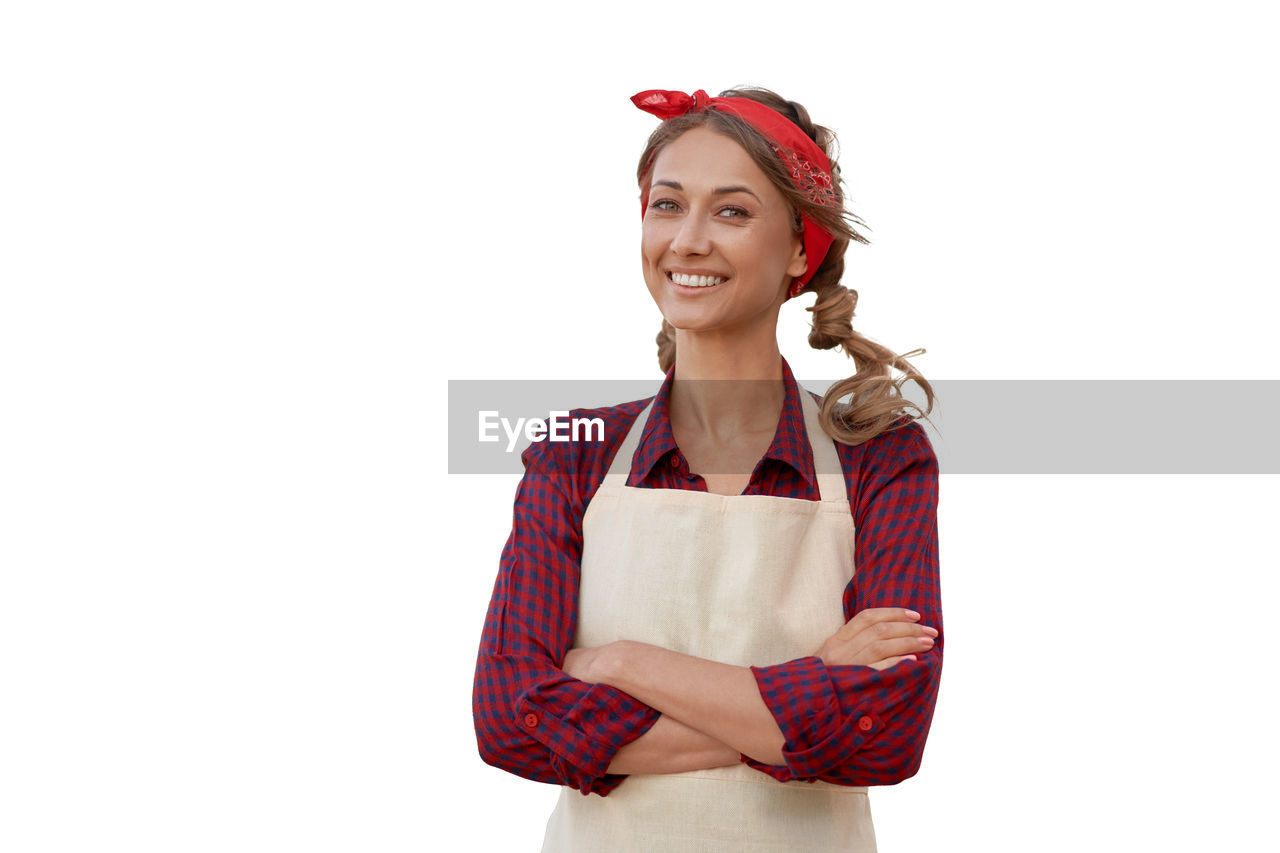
point(878, 637)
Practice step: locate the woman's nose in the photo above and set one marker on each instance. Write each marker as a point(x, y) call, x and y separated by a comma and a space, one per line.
point(692, 237)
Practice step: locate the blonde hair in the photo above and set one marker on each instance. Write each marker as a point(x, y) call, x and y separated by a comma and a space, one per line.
point(876, 401)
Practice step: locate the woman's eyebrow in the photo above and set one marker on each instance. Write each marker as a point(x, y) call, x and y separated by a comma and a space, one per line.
point(675, 185)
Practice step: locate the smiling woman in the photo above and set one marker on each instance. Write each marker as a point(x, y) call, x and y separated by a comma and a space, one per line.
point(724, 621)
point(814, 200)
point(751, 226)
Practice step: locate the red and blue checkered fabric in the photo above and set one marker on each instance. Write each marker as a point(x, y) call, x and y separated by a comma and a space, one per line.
point(850, 725)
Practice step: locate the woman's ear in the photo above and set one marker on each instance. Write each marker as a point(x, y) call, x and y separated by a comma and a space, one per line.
point(799, 261)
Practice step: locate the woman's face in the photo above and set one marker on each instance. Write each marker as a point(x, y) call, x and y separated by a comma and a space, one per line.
point(713, 212)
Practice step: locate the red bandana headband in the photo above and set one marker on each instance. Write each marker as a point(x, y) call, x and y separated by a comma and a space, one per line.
point(808, 164)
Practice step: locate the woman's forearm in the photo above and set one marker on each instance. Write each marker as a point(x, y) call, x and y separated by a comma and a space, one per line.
point(670, 746)
point(718, 699)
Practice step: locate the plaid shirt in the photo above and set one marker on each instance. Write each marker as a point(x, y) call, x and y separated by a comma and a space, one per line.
point(850, 725)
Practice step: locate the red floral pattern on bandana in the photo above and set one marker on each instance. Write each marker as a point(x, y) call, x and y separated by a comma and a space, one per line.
point(813, 180)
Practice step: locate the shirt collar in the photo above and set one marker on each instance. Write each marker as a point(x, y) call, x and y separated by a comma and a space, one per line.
point(790, 442)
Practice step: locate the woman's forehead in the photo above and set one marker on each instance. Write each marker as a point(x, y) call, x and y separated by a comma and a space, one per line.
point(701, 158)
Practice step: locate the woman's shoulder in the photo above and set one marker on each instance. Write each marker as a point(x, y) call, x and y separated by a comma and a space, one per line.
point(899, 459)
point(904, 442)
point(906, 435)
point(580, 443)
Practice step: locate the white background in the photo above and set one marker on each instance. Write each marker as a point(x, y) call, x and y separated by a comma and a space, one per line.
point(245, 245)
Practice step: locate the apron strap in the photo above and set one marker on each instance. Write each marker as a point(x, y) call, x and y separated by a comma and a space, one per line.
point(620, 468)
point(826, 462)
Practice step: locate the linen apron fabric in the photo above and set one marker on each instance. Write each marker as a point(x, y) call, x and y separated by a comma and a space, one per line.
point(742, 579)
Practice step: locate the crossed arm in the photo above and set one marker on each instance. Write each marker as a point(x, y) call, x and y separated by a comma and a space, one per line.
point(587, 717)
point(713, 712)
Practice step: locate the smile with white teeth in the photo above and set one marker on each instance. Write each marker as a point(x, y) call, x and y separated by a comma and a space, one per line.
point(696, 280)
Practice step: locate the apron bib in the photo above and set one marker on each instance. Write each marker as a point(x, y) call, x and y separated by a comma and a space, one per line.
point(741, 579)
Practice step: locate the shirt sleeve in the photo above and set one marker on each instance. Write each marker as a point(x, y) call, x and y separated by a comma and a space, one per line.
point(531, 718)
point(855, 725)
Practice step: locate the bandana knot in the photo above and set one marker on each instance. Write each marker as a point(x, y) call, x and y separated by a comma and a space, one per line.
point(668, 104)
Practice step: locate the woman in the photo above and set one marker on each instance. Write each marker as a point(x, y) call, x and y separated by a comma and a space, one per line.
point(677, 626)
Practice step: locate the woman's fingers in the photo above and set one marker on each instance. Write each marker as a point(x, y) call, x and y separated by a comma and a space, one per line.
point(883, 632)
point(888, 662)
point(890, 630)
point(897, 646)
point(864, 619)
point(876, 634)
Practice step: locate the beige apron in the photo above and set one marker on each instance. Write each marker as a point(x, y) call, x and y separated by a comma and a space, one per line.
point(742, 579)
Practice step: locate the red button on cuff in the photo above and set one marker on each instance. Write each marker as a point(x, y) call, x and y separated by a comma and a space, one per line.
point(865, 723)
point(531, 720)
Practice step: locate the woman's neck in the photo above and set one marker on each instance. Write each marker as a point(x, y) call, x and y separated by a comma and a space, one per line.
point(725, 388)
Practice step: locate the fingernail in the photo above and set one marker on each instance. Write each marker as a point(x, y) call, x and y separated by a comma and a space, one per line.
point(928, 641)
point(932, 632)
point(912, 614)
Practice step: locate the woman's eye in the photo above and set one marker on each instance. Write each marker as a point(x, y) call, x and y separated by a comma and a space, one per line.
point(735, 212)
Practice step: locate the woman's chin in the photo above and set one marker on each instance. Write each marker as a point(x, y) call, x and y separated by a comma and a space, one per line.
point(690, 321)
